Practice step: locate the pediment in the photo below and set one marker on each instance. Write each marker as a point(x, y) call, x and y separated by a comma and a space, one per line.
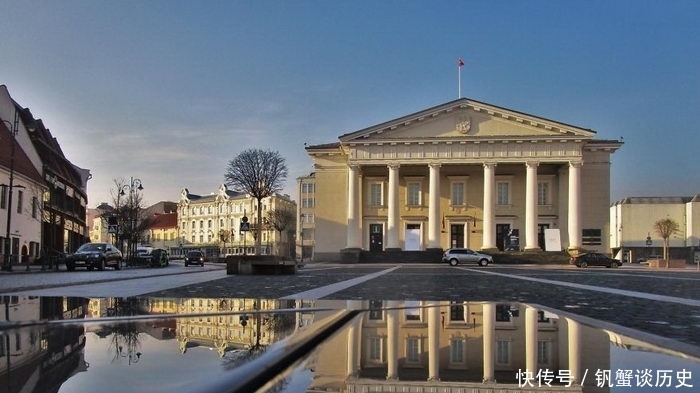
point(466, 119)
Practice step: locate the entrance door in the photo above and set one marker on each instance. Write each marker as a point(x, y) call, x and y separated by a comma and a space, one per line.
point(376, 237)
point(412, 237)
point(540, 235)
point(456, 235)
point(502, 231)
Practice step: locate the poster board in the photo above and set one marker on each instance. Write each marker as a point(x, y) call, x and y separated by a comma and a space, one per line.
point(552, 239)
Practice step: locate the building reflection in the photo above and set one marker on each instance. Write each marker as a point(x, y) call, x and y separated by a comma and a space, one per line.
point(399, 345)
point(40, 359)
point(416, 346)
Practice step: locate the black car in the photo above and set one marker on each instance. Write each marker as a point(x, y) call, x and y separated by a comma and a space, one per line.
point(594, 259)
point(195, 258)
point(94, 255)
point(159, 258)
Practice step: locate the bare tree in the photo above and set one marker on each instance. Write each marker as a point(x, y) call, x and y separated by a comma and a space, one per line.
point(259, 173)
point(666, 227)
point(280, 219)
point(128, 211)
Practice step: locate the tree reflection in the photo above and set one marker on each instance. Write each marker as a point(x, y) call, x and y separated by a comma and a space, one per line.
point(125, 335)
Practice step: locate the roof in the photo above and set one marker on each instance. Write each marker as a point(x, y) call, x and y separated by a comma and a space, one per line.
point(446, 106)
point(658, 200)
point(164, 221)
point(22, 164)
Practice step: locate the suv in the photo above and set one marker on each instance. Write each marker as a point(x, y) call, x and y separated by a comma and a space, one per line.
point(95, 255)
point(194, 258)
point(455, 256)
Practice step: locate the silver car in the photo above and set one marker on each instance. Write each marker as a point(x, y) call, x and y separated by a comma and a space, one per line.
point(455, 256)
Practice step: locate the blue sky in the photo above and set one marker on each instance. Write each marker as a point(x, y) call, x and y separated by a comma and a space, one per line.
point(170, 91)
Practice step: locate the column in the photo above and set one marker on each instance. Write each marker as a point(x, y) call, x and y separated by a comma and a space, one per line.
point(531, 206)
point(354, 327)
point(392, 221)
point(433, 341)
point(574, 338)
point(434, 207)
point(353, 234)
point(489, 335)
point(392, 345)
point(489, 235)
point(574, 217)
point(531, 339)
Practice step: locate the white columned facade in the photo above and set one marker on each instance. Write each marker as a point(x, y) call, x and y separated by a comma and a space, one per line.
point(434, 207)
point(353, 234)
point(433, 341)
point(392, 345)
point(574, 217)
point(392, 230)
point(531, 206)
point(489, 233)
point(531, 339)
point(489, 337)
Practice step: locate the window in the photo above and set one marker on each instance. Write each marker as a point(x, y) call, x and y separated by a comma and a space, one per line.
point(503, 193)
point(307, 202)
point(541, 317)
point(592, 237)
point(375, 310)
point(307, 218)
point(375, 349)
point(458, 193)
point(543, 352)
point(20, 200)
point(194, 225)
point(208, 223)
point(307, 188)
point(413, 350)
point(457, 350)
point(543, 194)
point(35, 206)
point(502, 352)
point(413, 194)
point(376, 198)
point(457, 311)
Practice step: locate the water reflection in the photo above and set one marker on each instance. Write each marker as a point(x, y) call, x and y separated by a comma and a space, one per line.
point(211, 344)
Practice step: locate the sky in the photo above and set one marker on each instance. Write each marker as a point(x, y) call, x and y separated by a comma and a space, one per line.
point(168, 92)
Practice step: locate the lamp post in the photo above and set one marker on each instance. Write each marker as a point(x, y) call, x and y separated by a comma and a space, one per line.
point(134, 186)
point(7, 263)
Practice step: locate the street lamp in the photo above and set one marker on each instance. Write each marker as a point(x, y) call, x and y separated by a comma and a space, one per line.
point(7, 263)
point(135, 185)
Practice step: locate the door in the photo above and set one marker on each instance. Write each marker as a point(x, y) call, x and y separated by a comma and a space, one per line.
point(376, 237)
point(502, 236)
point(540, 235)
point(456, 235)
point(412, 237)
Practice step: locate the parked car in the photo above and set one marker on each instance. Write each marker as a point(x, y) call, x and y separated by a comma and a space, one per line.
point(195, 258)
point(94, 255)
point(159, 258)
point(594, 259)
point(143, 255)
point(649, 258)
point(455, 256)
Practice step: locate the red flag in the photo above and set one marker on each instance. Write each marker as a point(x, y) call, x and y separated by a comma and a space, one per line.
point(460, 63)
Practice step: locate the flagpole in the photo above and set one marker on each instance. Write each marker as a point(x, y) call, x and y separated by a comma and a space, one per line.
point(459, 81)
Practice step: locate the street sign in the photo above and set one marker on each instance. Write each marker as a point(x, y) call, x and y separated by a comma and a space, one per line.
point(112, 228)
point(245, 226)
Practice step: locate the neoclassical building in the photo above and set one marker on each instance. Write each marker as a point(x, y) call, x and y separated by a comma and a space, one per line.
point(462, 174)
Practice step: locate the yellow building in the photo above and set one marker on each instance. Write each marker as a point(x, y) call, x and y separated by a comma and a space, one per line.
point(462, 174)
point(214, 220)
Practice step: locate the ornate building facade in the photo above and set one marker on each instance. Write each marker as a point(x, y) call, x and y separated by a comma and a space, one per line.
point(462, 174)
point(214, 221)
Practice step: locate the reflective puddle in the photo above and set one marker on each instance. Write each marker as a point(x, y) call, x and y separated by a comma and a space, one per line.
point(56, 344)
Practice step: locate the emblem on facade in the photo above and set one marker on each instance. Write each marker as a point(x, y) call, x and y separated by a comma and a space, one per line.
point(464, 125)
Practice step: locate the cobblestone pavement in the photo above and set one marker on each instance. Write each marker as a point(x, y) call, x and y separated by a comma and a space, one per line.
point(671, 317)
